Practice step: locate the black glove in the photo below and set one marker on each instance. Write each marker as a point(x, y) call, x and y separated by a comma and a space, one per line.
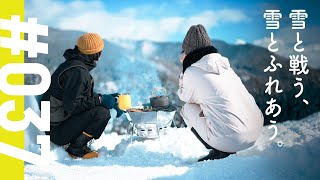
point(119, 111)
point(108, 101)
point(115, 94)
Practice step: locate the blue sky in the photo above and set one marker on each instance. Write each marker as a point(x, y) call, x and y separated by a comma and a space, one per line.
point(232, 21)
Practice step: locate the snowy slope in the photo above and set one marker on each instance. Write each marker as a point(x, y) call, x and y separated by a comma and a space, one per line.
point(174, 156)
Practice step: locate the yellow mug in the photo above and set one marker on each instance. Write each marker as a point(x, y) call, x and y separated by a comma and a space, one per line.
point(124, 101)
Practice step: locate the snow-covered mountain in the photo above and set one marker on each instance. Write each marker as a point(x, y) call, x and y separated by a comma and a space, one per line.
point(174, 156)
point(139, 66)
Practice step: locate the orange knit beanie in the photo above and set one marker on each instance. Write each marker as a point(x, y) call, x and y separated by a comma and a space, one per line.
point(90, 43)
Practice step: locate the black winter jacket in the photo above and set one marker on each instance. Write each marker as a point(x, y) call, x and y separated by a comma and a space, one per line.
point(71, 89)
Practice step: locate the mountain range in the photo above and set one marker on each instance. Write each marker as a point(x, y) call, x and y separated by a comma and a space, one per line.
point(139, 66)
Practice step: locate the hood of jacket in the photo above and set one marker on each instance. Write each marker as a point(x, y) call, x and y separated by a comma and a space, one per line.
point(74, 54)
point(213, 63)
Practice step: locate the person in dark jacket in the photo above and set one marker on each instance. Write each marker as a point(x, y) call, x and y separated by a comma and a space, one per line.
point(78, 114)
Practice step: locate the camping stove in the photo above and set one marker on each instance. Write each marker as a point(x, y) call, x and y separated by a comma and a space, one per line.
point(150, 124)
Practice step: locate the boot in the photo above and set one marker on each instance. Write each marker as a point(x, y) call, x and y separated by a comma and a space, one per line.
point(215, 154)
point(79, 149)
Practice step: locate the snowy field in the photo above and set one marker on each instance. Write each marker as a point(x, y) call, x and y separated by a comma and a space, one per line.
point(174, 156)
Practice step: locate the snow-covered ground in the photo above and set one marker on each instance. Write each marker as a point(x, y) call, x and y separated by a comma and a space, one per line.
point(174, 156)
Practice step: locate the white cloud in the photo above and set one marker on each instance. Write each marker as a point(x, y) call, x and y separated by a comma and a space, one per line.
point(240, 42)
point(230, 15)
point(147, 48)
point(125, 24)
point(286, 40)
point(264, 42)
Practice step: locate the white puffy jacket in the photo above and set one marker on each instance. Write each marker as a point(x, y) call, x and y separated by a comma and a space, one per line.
point(232, 120)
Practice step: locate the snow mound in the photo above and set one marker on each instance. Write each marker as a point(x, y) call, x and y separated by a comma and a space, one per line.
point(174, 156)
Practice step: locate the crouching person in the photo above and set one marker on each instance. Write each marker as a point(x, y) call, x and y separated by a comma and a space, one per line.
point(78, 115)
point(220, 111)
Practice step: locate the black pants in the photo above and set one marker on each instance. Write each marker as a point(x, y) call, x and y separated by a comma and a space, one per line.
point(92, 122)
point(204, 143)
point(200, 139)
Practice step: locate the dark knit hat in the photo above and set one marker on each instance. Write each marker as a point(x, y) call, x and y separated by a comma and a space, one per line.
point(196, 38)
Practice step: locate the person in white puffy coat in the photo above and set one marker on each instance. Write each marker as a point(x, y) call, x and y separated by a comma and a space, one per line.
point(219, 109)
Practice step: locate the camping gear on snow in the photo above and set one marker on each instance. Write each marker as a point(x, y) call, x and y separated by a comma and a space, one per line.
point(159, 101)
point(159, 98)
point(152, 119)
point(124, 101)
point(150, 124)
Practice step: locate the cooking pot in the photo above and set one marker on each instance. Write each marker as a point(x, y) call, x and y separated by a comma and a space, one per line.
point(159, 100)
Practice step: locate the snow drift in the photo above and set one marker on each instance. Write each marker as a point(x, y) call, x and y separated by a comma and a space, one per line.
point(174, 156)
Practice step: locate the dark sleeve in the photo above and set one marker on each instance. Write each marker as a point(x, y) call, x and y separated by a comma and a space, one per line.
point(75, 82)
point(97, 99)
